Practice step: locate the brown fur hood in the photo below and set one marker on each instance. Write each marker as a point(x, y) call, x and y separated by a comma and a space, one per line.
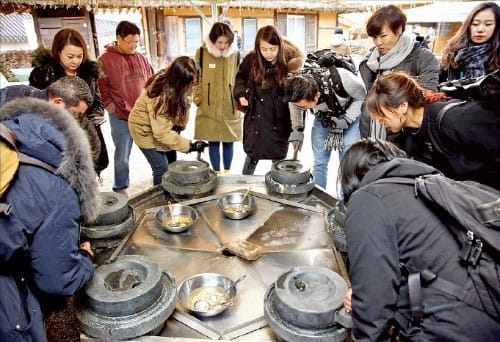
point(293, 56)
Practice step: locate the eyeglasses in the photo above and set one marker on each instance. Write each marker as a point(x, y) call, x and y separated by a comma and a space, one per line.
point(133, 42)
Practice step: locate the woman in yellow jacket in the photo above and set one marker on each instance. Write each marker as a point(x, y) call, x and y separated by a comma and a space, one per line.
point(161, 112)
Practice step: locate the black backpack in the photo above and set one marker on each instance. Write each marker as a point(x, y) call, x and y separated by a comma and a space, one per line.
point(322, 65)
point(472, 213)
point(331, 60)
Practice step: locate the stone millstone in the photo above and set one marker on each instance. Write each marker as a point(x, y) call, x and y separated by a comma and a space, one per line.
point(286, 331)
point(309, 296)
point(127, 299)
point(289, 171)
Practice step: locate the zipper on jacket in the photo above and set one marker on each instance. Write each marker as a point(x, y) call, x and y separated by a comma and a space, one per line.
point(208, 94)
point(231, 98)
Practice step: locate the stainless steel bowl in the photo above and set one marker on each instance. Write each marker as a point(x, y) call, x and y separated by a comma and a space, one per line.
point(195, 294)
point(236, 205)
point(183, 217)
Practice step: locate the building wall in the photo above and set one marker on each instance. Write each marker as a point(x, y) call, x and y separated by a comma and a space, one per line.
point(326, 25)
point(443, 36)
point(327, 21)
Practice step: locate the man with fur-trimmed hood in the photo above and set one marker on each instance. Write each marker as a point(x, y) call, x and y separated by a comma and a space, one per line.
point(40, 256)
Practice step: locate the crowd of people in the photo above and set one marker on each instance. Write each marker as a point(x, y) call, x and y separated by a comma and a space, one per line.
point(392, 100)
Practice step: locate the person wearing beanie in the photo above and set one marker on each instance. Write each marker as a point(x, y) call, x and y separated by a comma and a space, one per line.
point(338, 44)
point(314, 91)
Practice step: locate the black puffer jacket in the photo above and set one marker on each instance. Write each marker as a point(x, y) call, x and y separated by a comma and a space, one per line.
point(387, 225)
point(266, 125)
point(47, 70)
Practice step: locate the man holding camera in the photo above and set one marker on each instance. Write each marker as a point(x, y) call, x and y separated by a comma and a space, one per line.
point(336, 108)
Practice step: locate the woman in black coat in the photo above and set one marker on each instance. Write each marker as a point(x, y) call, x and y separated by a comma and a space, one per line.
point(259, 87)
point(69, 56)
point(462, 141)
point(387, 225)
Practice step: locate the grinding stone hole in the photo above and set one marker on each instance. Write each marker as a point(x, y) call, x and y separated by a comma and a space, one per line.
point(227, 252)
point(290, 167)
point(121, 280)
point(110, 202)
point(299, 284)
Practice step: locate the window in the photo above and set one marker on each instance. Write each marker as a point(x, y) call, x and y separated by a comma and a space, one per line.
point(193, 35)
point(444, 29)
point(300, 29)
point(249, 33)
point(295, 30)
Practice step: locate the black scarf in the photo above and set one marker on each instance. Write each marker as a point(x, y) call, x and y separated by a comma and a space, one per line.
point(472, 59)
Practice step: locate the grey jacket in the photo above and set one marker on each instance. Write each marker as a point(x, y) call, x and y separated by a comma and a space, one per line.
point(420, 63)
point(352, 84)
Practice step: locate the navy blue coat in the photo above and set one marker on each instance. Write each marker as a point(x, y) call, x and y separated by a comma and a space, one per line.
point(39, 240)
point(16, 91)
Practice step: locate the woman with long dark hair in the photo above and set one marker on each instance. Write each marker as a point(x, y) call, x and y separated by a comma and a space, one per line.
point(260, 87)
point(473, 50)
point(460, 140)
point(161, 112)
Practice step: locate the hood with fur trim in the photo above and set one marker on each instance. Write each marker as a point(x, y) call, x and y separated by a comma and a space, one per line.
point(214, 51)
point(72, 158)
point(293, 55)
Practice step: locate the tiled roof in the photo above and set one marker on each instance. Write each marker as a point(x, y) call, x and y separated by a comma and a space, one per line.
point(12, 27)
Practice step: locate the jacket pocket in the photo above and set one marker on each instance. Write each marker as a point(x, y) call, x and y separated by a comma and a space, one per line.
point(24, 314)
point(145, 131)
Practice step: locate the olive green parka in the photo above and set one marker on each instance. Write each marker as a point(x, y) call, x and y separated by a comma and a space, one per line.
point(217, 117)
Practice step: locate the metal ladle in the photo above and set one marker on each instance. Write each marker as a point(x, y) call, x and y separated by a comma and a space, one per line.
point(241, 206)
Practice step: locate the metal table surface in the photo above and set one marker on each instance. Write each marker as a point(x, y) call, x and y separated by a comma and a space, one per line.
point(289, 233)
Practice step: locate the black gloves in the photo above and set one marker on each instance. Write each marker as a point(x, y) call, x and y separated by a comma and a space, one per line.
point(198, 146)
point(339, 123)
